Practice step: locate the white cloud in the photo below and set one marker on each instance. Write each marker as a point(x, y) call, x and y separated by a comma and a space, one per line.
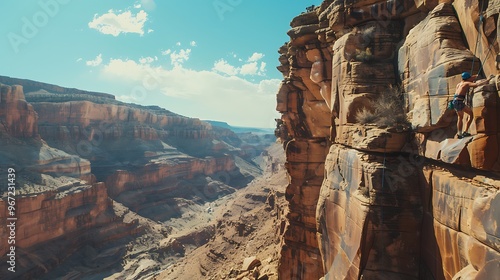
point(177, 58)
point(223, 66)
point(137, 6)
point(249, 69)
point(125, 69)
point(150, 30)
point(79, 59)
point(193, 44)
point(262, 68)
point(114, 24)
point(147, 60)
point(166, 52)
point(255, 57)
point(178, 44)
point(148, 5)
point(205, 94)
point(96, 62)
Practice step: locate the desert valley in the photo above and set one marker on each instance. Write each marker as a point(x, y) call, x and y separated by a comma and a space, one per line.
point(365, 175)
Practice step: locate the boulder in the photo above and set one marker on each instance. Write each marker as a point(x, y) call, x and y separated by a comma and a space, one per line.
point(250, 263)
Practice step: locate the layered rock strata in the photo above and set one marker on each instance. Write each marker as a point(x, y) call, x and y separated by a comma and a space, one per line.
point(56, 196)
point(56, 118)
point(16, 115)
point(154, 164)
point(304, 109)
point(30, 86)
point(180, 168)
point(399, 199)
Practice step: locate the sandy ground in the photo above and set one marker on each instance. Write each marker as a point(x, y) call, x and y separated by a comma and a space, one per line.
point(246, 225)
point(209, 240)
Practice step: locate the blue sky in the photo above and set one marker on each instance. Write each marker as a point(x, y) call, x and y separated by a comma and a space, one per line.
point(210, 59)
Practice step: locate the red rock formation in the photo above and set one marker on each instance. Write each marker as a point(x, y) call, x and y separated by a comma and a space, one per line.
point(460, 233)
point(17, 117)
point(153, 161)
point(30, 86)
point(84, 114)
point(427, 102)
point(56, 196)
point(384, 211)
point(53, 214)
point(305, 164)
point(369, 217)
point(155, 173)
point(300, 100)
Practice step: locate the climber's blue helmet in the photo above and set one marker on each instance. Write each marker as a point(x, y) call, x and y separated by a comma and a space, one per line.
point(466, 76)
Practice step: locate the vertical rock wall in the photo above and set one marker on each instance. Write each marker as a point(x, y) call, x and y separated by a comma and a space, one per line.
point(17, 117)
point(400, 200)
point(306, 126)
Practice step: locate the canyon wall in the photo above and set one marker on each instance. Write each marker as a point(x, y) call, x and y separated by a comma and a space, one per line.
point(32, 86)
point(17, 116)
point(92, 172)
point(55, 194)
point(371, 145)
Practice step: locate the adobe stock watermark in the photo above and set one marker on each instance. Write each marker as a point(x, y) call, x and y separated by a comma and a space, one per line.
point(224, 6)
point(11, 219)
point(30, 27)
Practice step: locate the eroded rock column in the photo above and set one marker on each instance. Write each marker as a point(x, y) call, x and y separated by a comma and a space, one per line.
point(305, 128)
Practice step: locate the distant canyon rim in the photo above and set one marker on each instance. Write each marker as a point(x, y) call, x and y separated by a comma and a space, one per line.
point(365, 177)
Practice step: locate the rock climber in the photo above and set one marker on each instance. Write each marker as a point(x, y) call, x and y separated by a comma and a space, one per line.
point(468, 81)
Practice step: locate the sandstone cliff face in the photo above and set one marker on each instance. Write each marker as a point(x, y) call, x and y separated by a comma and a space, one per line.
point(93, 172)
point(153, 174)
point(52, 214)
point(399, 199)
point(67, 115)
point(30, 86)
point(56, 194)
point(17, 117)
point(128, 146)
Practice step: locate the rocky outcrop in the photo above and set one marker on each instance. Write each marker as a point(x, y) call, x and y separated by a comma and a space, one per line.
point(427, 101)
point(459, 230)
point(93, 172)
point(154, 174)
point(144, 122)
point(306, 120)
point(56, 196)
point(400, 196)
point(76, 207)
point(305, 164)
point(31, 86)
point(17, 117)
point(369, 217)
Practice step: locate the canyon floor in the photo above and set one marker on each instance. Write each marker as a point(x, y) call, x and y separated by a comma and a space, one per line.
point(206, 240)
point(246, 226)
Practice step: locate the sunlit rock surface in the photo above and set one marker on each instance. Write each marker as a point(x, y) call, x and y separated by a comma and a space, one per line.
point(99, 181)
point(401, 200)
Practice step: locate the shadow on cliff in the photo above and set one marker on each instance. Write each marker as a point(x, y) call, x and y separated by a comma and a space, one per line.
point(431, 265)
point(20, 154)
point(89, 253)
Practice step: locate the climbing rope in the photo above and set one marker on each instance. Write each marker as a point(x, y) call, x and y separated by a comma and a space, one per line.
point(477, 43)
point(481, 18)
point(468, 100)
point(486, 58)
